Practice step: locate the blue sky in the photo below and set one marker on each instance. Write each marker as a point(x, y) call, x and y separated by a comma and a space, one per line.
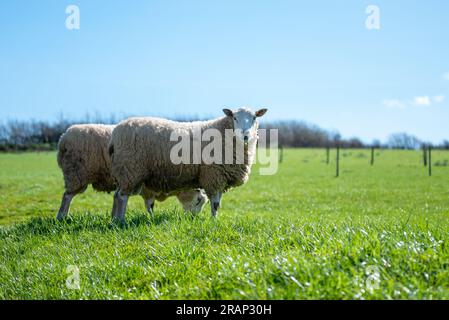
point(305, 60)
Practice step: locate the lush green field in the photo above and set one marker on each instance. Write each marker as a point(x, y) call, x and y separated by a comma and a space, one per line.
point(375, 232)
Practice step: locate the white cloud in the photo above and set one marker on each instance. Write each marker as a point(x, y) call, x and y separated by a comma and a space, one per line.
point(423, 101)
point(394, 104)
point(439, 98)
point(418, 101)
point(446, 76)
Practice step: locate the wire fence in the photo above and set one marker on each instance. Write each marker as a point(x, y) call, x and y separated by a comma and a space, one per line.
point(427, 160)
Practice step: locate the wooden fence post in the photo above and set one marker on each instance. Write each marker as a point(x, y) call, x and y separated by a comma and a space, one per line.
point(338, 161)
point(430, 160)
point(372, 156)
point(424, 153)
point(281, 153)
point(327, 154)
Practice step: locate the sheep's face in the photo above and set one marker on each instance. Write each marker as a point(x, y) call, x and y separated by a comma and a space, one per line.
point(193, 200)
point(245, 123)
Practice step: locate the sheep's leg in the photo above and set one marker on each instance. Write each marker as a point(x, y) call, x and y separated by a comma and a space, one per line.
point(122, 201)
point(149, 204)
point(114, 205)
point(65, 205)
point(215, 202)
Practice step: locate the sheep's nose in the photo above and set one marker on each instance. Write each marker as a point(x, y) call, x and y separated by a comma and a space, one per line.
point(245, 138)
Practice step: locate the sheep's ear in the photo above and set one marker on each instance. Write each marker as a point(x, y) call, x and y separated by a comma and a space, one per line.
point(261, 112)
point(228, 112)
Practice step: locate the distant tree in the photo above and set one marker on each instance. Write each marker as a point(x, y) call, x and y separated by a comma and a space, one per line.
point(3, 134)
point(334, 136)
point(376, 143)
point(298, 134)
point(44, 135)
point(403, 141)
point(445, 145)
point(352, 143)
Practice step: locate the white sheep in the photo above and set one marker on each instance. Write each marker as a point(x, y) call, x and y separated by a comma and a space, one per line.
point(84, 159)
point(141, 148)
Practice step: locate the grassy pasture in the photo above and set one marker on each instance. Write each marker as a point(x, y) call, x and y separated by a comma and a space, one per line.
point(376, 232)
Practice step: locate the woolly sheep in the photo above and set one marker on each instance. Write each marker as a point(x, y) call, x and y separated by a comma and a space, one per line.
point(84, 159)
point(140, 150)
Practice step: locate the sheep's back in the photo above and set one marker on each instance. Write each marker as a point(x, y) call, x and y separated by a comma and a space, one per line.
point(143, 146)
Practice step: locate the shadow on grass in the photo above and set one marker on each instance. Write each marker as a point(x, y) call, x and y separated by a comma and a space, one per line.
point(90, 222)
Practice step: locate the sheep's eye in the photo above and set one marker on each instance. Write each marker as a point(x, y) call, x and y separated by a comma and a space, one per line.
point(235, 118)
point(254, 118)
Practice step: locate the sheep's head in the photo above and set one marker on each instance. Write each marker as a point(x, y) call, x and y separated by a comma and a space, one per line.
point(245, 123)
point(193, 200)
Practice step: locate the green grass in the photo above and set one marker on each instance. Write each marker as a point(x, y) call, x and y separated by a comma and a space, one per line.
point(300, 234)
